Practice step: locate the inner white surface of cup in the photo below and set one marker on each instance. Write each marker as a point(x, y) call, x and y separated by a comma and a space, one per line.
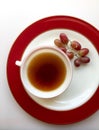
point(32, 89)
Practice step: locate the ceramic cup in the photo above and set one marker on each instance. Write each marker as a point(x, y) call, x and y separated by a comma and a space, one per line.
point(45, 72)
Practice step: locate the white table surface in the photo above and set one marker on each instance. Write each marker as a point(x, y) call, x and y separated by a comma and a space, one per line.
point(15, 16)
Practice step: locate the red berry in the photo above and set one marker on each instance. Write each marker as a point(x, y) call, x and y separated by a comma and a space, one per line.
point(83, 52)
point(75, 45)
point(77, 62)
point(58, 43)
point(85, 59)
point(70, 54)
point(63, 49)
point(63, 38)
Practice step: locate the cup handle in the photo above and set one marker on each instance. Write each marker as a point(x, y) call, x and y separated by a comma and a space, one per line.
point(18, 63)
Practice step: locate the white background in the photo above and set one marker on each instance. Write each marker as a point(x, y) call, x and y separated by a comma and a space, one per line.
point(15, 16)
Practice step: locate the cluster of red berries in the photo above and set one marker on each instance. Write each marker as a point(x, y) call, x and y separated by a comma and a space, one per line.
point(71, 49)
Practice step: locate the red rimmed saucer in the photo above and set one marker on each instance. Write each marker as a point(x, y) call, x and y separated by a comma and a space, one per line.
point(13, 75)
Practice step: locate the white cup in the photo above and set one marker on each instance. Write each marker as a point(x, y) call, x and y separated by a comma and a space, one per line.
point(32, 88)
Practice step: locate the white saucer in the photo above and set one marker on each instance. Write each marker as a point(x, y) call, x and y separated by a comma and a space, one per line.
point(85, 78)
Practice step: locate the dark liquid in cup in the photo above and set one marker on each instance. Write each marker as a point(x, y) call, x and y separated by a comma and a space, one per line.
point(46, 71)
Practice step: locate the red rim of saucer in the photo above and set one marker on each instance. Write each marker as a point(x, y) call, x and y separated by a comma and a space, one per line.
point(13, 74)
